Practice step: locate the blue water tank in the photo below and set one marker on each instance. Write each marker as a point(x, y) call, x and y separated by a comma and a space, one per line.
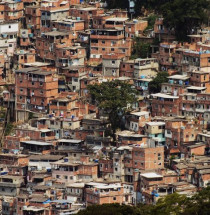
point(66, 160)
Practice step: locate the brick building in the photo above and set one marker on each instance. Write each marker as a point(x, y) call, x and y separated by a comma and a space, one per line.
point(34, 89)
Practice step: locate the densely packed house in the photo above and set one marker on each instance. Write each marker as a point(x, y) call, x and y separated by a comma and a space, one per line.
point(58, 158)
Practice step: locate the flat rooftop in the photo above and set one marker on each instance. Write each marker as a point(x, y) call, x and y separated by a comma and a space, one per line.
point(165, 96)
point(151, 175)
point(26, 70)
point(76, 185)
point(38, 143)
point(142, 113)
point(195, 88)
point(117, 19)
point(45, 157)
point(127, 133)
point(179, 77)
point(155, 123)
point(36, 64)
point(56, 33)
point(69, 141)
point(66, 162)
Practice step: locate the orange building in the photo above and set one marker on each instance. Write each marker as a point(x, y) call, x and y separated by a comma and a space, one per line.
point(165, 105)
point(148, 158)
point(97, 193)
point(106, 41)
point(34, 89)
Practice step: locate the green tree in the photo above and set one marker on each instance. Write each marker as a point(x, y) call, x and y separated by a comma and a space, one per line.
point(9, 128)
point(199, 204)
point(184, 16)
point(150, 5)
point(151, 21)
point(171, 204)
point(155, 84)
point(112, 4)
point(181, 15)
point(140, 49)
point(110, 209)
point(145, 209)
point(113, 98)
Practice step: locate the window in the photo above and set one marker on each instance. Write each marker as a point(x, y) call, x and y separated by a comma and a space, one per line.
point(32, 83)
point(112, 49)
point(9, 26)
point(114, 198)
point(57, 176)
point(41, 92)
point(40, 83)
point(103, 42)
point(113, 62)
point(65, 177)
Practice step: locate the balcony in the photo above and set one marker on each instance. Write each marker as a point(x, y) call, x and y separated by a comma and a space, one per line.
point(200, 110)
point(185, 62)
point(168, 134)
